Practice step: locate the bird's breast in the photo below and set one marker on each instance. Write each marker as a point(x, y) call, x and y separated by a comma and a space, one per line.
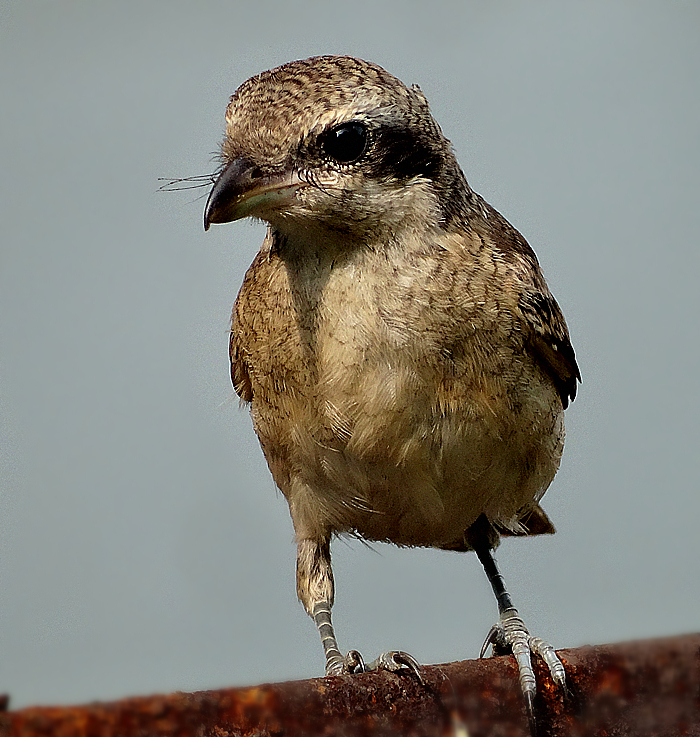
point(382, 412)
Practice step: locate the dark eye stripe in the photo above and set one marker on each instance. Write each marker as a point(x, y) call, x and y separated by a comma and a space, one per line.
point(401, 153)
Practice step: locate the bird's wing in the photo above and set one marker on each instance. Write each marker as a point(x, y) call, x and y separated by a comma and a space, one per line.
point(543, 321)
point(239, 369)
point(549, 339)
point(258, 301)
point(248, 304)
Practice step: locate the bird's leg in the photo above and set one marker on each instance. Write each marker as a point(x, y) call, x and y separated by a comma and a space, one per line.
point(316, 591)
point(336, 664)
point(510, 632)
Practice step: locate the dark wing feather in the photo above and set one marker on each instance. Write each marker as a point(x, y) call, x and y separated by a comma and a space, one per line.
point(549, 339)
point(545, 326)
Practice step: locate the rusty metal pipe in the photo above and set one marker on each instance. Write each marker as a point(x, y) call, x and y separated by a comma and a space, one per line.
point(641, 688)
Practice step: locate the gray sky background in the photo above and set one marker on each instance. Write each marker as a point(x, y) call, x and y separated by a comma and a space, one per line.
point(143, 547)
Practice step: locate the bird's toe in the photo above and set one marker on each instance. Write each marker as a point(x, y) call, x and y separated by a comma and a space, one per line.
point(397, 661)
point(512, 635)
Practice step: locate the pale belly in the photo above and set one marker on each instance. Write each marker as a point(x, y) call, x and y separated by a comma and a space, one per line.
point(389, 461)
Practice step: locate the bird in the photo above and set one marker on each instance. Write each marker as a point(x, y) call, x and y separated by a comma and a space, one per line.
point(405, 364)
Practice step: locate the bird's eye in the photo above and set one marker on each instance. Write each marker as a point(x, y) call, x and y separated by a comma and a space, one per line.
point(346, 142)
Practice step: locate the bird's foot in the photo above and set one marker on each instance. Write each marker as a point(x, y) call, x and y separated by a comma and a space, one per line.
point(337, 665)
point(395, 661)
point(511, 635)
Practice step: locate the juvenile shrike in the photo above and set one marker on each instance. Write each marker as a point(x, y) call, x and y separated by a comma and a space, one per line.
point(406, 366)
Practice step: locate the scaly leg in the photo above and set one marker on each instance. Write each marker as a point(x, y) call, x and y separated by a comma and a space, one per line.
point(510, 632)
point(316, 591)
point(336, 664)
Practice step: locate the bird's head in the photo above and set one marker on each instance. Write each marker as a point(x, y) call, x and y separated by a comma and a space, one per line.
point(333, 143)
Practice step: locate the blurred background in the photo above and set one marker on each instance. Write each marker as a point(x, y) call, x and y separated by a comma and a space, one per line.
point(143, 547)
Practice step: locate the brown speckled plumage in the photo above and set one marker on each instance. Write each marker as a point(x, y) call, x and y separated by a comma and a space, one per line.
point(406, 366)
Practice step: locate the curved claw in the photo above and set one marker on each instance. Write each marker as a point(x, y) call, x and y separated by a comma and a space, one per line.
point(354, 663)
point(494, 637)
point(530, 709)
point(397, 661)
point(511, 632)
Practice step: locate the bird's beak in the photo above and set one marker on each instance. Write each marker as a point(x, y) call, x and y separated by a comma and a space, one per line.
point(242, 189)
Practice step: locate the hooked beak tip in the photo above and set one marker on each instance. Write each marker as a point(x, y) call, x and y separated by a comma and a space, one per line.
point(242, 190)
